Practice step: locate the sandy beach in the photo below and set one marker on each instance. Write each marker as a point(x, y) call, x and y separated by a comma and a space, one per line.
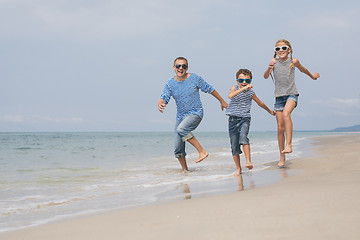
point(321, 202)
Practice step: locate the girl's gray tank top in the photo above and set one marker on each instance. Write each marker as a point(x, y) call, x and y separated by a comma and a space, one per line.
point(284, 82)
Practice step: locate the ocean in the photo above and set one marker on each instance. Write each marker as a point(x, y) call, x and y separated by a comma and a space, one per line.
point(52, 176)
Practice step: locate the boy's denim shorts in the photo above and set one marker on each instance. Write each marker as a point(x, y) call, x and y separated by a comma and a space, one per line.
point(280, 102)
point(238, 133)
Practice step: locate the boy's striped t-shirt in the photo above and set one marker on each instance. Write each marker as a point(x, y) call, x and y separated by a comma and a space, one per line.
point(240, 105)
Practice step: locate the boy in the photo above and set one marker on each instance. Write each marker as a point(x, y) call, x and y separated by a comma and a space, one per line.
point(241, 97)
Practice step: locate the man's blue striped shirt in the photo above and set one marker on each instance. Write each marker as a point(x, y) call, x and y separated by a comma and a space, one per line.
point(186, 95)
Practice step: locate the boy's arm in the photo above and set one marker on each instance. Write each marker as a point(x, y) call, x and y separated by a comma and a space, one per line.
point(270, 68)
point(234, 92)
point(261, 104)
point(221, 100)
point(304, 70)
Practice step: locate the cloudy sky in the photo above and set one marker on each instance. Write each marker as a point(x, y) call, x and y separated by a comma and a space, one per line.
point(92, 65)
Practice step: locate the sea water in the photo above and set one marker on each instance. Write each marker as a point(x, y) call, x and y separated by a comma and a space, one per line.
point(51, 176)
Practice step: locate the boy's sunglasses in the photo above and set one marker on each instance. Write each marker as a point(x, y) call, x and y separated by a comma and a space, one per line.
point(241, 80)
point(184, 66)
point(284, 48)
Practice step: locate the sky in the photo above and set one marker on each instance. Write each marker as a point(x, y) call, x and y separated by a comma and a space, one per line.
point(100, 66)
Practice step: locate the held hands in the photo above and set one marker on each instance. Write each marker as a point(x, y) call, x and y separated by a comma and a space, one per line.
point(161, 105)
point(272, 112)
point(224, 105)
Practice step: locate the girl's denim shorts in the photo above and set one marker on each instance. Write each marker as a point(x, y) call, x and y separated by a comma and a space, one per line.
point(280, 102)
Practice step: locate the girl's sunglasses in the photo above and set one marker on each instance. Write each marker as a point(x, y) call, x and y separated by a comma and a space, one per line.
point(284, 48)
point(241, 80)
point(184, 66)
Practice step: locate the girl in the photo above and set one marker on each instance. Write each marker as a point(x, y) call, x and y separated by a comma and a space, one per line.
point(286, 94)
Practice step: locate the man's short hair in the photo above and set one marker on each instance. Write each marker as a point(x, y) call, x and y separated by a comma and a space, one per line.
point(181, 58)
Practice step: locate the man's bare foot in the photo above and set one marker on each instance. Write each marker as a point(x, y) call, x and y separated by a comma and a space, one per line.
point(288, 149)
point(237, 172)
point(202, 157)
point(249, 166)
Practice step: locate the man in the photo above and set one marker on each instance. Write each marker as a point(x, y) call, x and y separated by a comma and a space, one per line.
point(184, 88)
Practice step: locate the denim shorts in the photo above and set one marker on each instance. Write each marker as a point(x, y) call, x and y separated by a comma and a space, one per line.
point(238, 133)
point(280, 102)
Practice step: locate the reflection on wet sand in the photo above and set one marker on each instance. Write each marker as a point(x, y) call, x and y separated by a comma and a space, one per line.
point(250, 182)
point(283, 173)
point(245, 181)
point(240, 182)
point(187, 191)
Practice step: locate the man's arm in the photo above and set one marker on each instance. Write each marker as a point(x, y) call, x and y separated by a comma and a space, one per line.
point(221, 100)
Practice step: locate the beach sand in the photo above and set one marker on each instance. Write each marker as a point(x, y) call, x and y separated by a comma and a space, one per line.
point(321, 202)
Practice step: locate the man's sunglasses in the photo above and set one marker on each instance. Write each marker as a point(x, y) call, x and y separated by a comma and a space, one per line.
point(241, 80)
point(284, 48)
point(184, 66)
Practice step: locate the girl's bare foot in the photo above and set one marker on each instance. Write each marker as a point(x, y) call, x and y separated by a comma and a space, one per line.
point(281, 163)
point(202, 156)
point(237, 172)
point(288, 149)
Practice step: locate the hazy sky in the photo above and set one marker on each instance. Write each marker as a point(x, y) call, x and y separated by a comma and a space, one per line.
point(92, 65)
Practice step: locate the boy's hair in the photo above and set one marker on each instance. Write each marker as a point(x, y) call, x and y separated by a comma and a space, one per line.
point(245, 72)
point(181, 58)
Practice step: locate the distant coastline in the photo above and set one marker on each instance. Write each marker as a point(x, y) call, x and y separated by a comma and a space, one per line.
point(355, 128)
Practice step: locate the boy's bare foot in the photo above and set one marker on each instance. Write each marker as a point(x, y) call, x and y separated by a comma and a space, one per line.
point(281, 164)
point(249, 166)
point(202, 157)
point(185, 171)
point(237, 172)
point(288, 149)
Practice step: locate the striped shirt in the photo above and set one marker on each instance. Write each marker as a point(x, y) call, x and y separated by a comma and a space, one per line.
point(186, 95)
point(240, 105)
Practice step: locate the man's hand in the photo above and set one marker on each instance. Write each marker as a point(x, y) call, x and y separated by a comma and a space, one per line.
point(161, 105)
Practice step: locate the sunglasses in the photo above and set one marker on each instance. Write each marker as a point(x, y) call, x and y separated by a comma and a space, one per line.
point(184, 66)
point(241, 80)
point(284, 48)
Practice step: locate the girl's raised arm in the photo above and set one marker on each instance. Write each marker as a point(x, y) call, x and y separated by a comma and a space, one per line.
point(302, 69)
point(270, 68)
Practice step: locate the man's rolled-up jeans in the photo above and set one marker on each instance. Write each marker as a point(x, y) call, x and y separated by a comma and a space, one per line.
point(183, 132)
